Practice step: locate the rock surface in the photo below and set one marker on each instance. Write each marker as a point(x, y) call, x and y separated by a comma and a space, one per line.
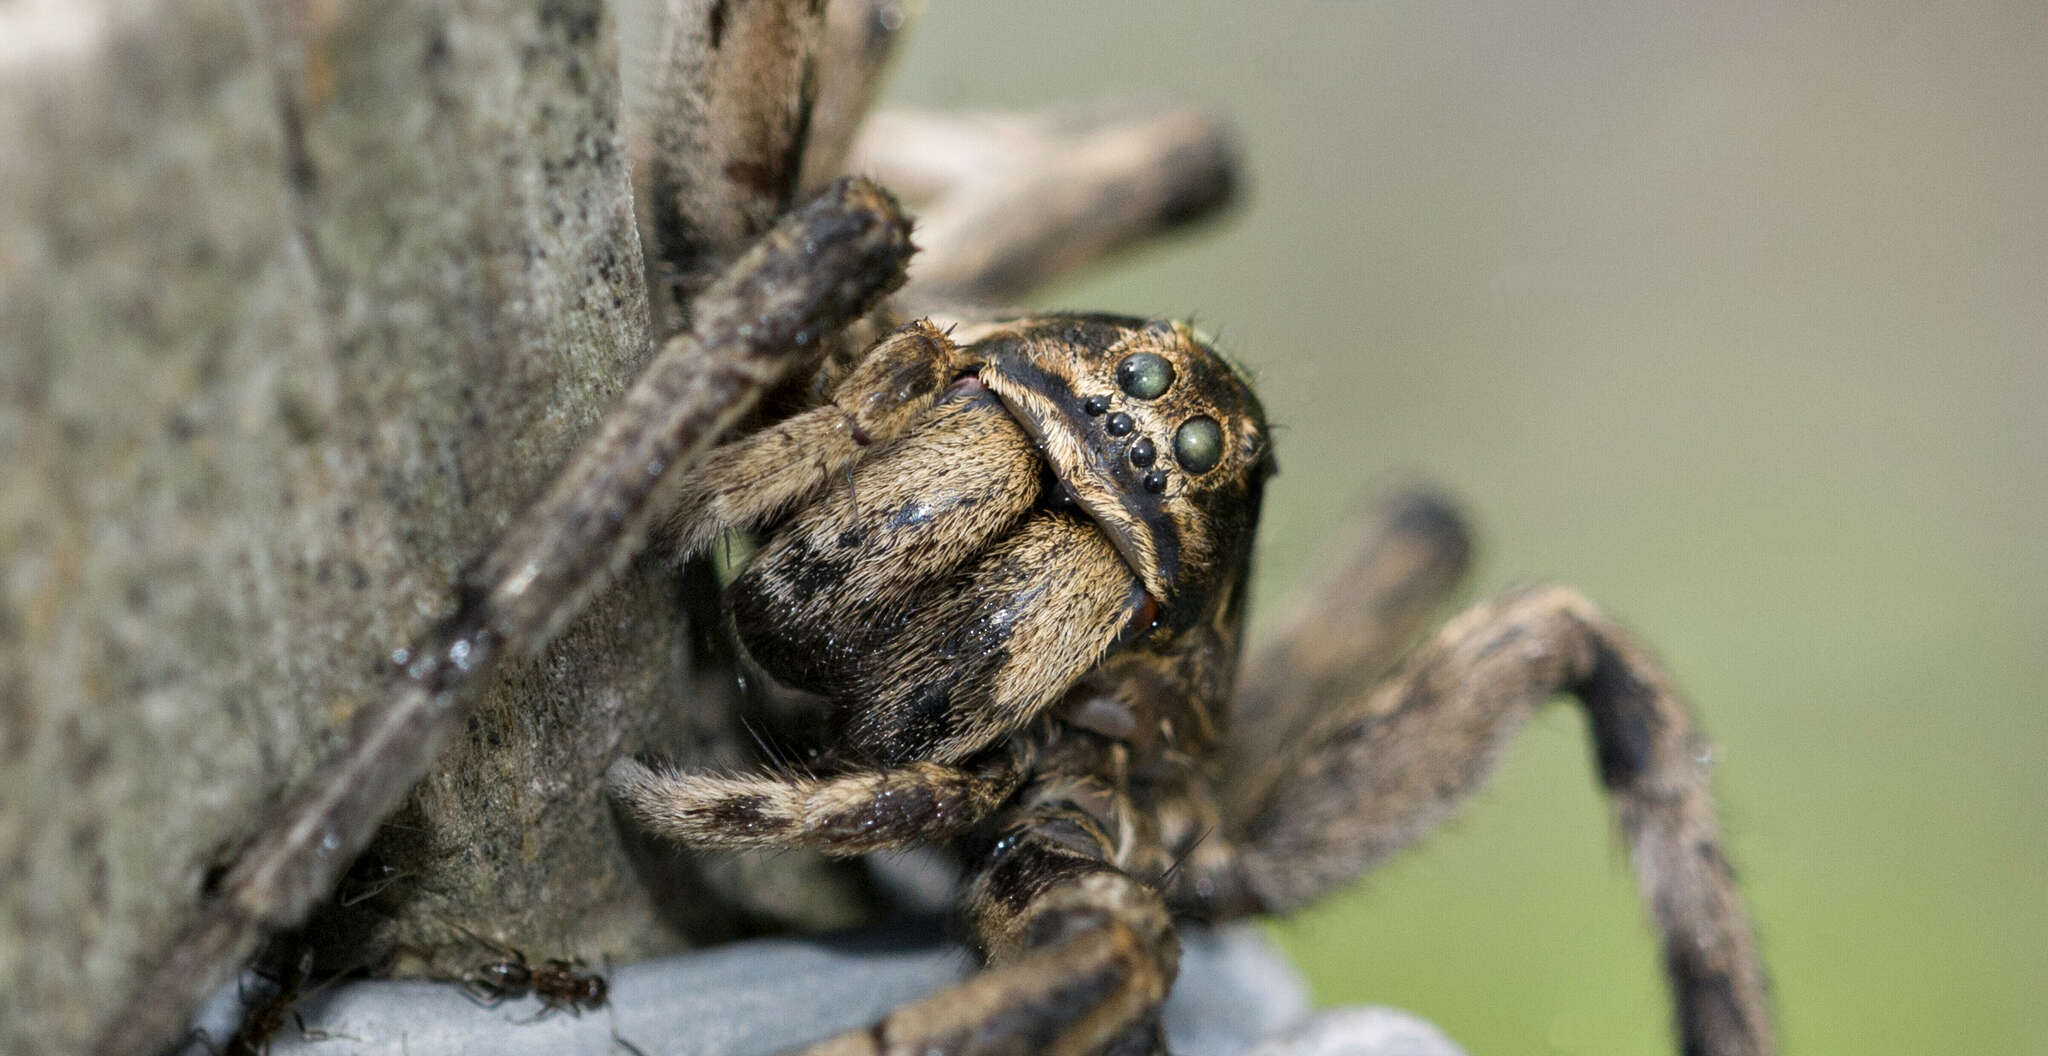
point(299, 304)
point(1236, 995)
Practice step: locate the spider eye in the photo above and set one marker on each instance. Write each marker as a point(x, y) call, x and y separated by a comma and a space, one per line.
point(1145, 375)
point(1198, 444)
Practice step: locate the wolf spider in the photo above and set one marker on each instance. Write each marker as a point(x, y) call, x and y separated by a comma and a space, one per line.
point(1021, 600)
point(1009, 558)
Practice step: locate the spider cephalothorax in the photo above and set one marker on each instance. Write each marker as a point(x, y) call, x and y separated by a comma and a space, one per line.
point(1152, 432)
point(1088, 481)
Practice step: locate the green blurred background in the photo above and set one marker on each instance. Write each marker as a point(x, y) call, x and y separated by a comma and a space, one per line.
point(1735, 316)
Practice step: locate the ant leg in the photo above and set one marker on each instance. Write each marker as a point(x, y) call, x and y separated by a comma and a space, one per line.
point(611, 1013)
point(482, 994)
point(547, 1008)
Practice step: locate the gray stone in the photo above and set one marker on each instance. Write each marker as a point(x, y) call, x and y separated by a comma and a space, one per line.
point(1366, 1031)
point(1236, 995)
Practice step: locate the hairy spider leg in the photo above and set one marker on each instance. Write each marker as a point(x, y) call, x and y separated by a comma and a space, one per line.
point(1384, 768)
point(1080, 955)
point(1377, 587)
point(763, 475)
point(844, 814)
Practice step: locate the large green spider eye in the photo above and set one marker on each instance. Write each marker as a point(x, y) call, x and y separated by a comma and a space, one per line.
point(1198, 444)
point(1145, 375)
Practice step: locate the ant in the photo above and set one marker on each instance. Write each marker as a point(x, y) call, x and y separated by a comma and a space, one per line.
point(261, 1022)
point(559, 984)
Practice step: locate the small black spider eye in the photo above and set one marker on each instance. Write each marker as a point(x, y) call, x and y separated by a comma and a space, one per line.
point(1120, 424)
point(1145, 375)
point(1095, 404)
point(1143, 453)
point(1198, 444)
point(1155, 481)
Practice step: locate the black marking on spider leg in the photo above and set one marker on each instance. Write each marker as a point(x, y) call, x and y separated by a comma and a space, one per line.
point(1618, 707)
point(1214, 167)
point(1707, 1005)
point(1056, 845)
point(680, 239)
point(1709, 852)
point(806, 106)
point(902, 813)
point(715, 26)
point(743, 814)
point(1432, 516)
point(1144, 1038)
point(1036, 1026)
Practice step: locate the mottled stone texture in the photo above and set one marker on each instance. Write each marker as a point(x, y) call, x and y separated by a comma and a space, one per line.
point(300, 302)
point(769, 996)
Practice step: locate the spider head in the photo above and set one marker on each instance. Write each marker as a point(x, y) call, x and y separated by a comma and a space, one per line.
point(1150, 431)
